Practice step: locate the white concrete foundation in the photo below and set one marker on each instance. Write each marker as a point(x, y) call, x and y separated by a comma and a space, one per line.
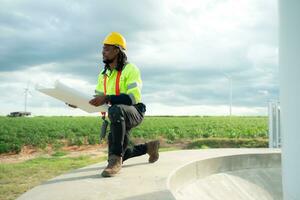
point(174, 176)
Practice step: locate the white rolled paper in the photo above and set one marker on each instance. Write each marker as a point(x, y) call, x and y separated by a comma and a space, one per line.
point(72, 96)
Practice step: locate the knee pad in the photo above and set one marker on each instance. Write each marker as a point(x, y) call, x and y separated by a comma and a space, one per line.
point(115, 114)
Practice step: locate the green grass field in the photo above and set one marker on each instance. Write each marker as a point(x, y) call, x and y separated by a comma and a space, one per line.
point(59, 131)
point(194, 132)
point(17, 178)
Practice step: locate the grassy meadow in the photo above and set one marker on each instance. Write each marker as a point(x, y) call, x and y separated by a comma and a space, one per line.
point(39, 132)
point(57, 132)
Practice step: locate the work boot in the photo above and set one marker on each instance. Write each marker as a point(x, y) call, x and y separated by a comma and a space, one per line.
point(113, 167)
point(152, 150)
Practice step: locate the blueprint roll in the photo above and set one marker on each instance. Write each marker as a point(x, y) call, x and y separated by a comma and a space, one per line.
point(71, 96)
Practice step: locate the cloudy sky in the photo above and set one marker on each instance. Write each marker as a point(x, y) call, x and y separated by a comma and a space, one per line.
point(184, 49)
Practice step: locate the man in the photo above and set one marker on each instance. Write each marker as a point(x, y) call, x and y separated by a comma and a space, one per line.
point(119, 84)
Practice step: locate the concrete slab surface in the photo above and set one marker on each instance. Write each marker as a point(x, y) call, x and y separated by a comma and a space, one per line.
point(250, 184)
point(175, 175)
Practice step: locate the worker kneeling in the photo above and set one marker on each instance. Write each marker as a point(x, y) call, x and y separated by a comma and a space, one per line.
point(119, 84)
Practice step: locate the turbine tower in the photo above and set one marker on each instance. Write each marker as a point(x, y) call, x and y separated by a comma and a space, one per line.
point(26, 92)
point(229, 78)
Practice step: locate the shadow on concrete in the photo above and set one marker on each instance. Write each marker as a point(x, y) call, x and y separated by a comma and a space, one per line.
point(87, 169)
point(95, 176)
point(159, 195)
point(136, 164)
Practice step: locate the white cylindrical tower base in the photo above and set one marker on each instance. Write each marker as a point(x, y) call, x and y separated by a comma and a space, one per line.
point(289, 72)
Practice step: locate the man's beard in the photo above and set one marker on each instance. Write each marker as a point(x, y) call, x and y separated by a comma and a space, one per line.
point(108, 61)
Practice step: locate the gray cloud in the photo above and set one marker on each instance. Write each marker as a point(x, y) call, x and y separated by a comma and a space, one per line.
point(182, 52)
point(34, 33)
point(205, 87)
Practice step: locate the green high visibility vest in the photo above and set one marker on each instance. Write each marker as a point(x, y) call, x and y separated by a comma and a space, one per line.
point(129, 80)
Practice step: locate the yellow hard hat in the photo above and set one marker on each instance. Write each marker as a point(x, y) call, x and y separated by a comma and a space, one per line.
point(115, 38)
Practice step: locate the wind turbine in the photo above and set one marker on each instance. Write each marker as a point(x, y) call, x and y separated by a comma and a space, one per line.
point(229, 77)
point(26, 92)
point(230, 80)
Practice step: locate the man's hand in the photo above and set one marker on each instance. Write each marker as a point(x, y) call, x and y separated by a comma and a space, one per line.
point(99, 100)
point(72, 106)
